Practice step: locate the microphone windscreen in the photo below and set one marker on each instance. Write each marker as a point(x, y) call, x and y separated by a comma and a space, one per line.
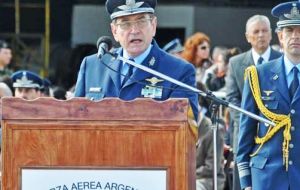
point(105, 39)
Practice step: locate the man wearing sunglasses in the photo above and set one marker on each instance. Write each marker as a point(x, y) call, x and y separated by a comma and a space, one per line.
point(258, 34)
point(133, 26)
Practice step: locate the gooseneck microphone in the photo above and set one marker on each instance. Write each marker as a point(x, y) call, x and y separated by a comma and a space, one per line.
point(104, 44)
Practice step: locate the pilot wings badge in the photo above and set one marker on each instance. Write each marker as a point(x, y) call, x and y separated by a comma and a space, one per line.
point(268, 92)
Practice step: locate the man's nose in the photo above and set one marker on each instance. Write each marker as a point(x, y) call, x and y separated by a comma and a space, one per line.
point(134, 26)
point(22, 94)
point(24, 97)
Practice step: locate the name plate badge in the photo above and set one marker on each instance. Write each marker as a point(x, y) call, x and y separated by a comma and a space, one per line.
point(152, 92)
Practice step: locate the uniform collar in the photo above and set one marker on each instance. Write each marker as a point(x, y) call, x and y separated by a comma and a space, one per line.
point(289, 66)
point(139, 59)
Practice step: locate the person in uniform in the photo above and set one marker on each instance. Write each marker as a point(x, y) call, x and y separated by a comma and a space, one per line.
point(27, 84)
point(268, 156)
point(5, 59)
point(258, 34)
point(174, 47)
point(133, 25)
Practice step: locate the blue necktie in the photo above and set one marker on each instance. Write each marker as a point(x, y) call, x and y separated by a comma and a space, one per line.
point(260, 60)
point(129, 72)
point(295, 82)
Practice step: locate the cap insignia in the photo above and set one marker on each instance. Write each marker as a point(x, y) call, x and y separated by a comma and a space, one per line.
point(24, 80)
point(294, 13)
point(130, 4)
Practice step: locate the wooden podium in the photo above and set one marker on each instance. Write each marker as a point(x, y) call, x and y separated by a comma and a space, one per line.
point(110, 133)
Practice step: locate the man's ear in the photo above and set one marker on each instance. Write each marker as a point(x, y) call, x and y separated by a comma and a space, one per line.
point(114, 31)
point(279, 35)
point(247, 37)
point(154, 25)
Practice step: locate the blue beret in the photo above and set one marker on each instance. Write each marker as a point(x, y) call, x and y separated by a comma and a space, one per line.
point(288, 14)
point(118, 8)
point(26, 79)
point(173, 46)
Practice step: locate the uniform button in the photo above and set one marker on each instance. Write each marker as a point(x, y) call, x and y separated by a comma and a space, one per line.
point(267, 105)
point(291, 145)
point(293, 128)
point(290, 162)
point(293, 111)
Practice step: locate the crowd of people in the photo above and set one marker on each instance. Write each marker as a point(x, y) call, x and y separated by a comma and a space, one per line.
point(261, 80)
point(24, 83)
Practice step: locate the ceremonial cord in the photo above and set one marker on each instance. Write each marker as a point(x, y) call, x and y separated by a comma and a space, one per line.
point(280, 120)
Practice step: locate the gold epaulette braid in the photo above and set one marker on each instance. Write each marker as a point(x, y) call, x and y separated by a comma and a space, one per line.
point(280, 120)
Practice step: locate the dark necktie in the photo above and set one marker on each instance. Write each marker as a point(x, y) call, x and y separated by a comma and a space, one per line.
point(260, 60)
point(295, 82)
point(129, 73)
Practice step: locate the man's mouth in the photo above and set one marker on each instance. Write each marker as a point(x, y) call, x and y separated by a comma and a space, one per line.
point(135, 41)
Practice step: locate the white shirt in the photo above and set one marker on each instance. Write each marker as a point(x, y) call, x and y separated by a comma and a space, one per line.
point(266, 55)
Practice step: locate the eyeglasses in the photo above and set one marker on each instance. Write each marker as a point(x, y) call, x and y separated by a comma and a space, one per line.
point(141, 23)
point(204, 47)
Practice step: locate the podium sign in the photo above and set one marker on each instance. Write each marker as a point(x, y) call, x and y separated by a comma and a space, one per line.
point(91, 179)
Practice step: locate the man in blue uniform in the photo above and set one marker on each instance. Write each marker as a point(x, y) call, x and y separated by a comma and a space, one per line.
point(27, 84)
point(174, 47)
point(258, 34)
point(268, 156)
point(134, 26)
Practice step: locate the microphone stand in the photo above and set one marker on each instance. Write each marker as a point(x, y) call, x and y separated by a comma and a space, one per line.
point(209, 96)
point(214, 107)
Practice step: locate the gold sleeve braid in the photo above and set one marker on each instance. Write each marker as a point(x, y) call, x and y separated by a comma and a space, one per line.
point(280, 120)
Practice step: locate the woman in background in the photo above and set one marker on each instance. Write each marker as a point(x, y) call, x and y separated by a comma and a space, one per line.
point(196, 51)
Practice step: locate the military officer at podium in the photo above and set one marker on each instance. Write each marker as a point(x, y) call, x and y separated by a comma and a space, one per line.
point(268, 156)
point(133, 25)
point(27, 84)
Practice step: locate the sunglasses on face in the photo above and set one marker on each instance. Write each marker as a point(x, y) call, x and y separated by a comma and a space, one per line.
point(203, 47)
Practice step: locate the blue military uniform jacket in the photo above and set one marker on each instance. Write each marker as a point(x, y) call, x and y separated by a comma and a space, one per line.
point(96, 81)
point(266, 170)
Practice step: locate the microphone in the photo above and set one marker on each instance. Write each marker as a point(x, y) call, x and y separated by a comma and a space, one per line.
point(104, 44)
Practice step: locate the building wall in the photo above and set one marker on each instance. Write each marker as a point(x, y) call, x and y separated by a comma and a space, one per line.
point(89, 22)
point(225, 25)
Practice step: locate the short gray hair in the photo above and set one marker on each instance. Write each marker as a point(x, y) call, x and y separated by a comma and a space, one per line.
point(258, 18)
